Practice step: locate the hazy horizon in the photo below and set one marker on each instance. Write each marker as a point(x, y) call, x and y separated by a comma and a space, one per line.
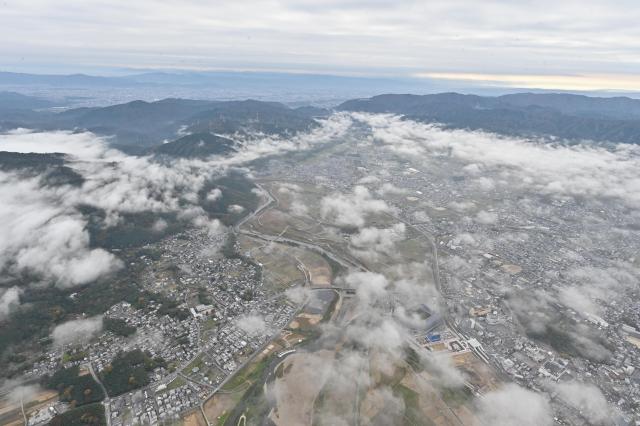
point(585, 46)
point(168, 82)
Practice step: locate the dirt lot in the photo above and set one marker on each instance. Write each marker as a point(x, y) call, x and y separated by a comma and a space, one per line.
point(477, 372)
point(194, 419)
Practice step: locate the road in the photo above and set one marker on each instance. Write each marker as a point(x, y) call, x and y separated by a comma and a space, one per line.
point(24, 416)
point(270, 199)
point(107, 401)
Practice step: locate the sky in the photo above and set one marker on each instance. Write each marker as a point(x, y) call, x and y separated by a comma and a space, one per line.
point(570, 44)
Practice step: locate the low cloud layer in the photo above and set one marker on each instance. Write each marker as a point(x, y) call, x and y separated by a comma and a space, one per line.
point(370, 242)
point(597, 284)
point(19, 393)
point(76, 331)
point(9, 299)
point(584, 170)
point(44, 233)
point(352, 209)
point(253, 325)
point(514, 405)
point(587, 399)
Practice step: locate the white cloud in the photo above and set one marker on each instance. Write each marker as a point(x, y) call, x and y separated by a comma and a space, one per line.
point(592, 284)
point(586, 398)
point(76, 331)
point(485, 183)
point(9, 299)
point(370, 286)
point(298, 208)
point(368, 37)
point(351, 209)
point(214, 195)
point(441, 366)
point(235, 208)
point(582, 170)
point(461, 206)
point(390, 189)
point(83, 146)
point(514, 405)
point(298, 295)
point(159, 225)
point(486, 218)
point(465, 239)
point(253, 325)
point(371, 242)
point(287, 187)
point(421, 216)
point(42, 236)
point(19, 393)
point(368, 180)
point(292, 191)
point(384, 334)
point(45, 233)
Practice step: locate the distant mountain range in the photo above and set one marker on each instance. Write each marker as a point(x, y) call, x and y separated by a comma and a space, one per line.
point(138, 126)
point(565, 116)
point(294, 89)
point(141, 127)
point(205, 78)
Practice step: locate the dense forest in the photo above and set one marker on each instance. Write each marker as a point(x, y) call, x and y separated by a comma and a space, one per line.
point(129, 371)
point(74, 388)
point(87, 415)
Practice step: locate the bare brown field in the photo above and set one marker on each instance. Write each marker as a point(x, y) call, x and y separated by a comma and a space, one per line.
point(194, 419)
point(478, 373)
point(304, 321)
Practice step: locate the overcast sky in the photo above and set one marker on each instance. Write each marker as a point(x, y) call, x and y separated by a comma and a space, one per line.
point(588, 44)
